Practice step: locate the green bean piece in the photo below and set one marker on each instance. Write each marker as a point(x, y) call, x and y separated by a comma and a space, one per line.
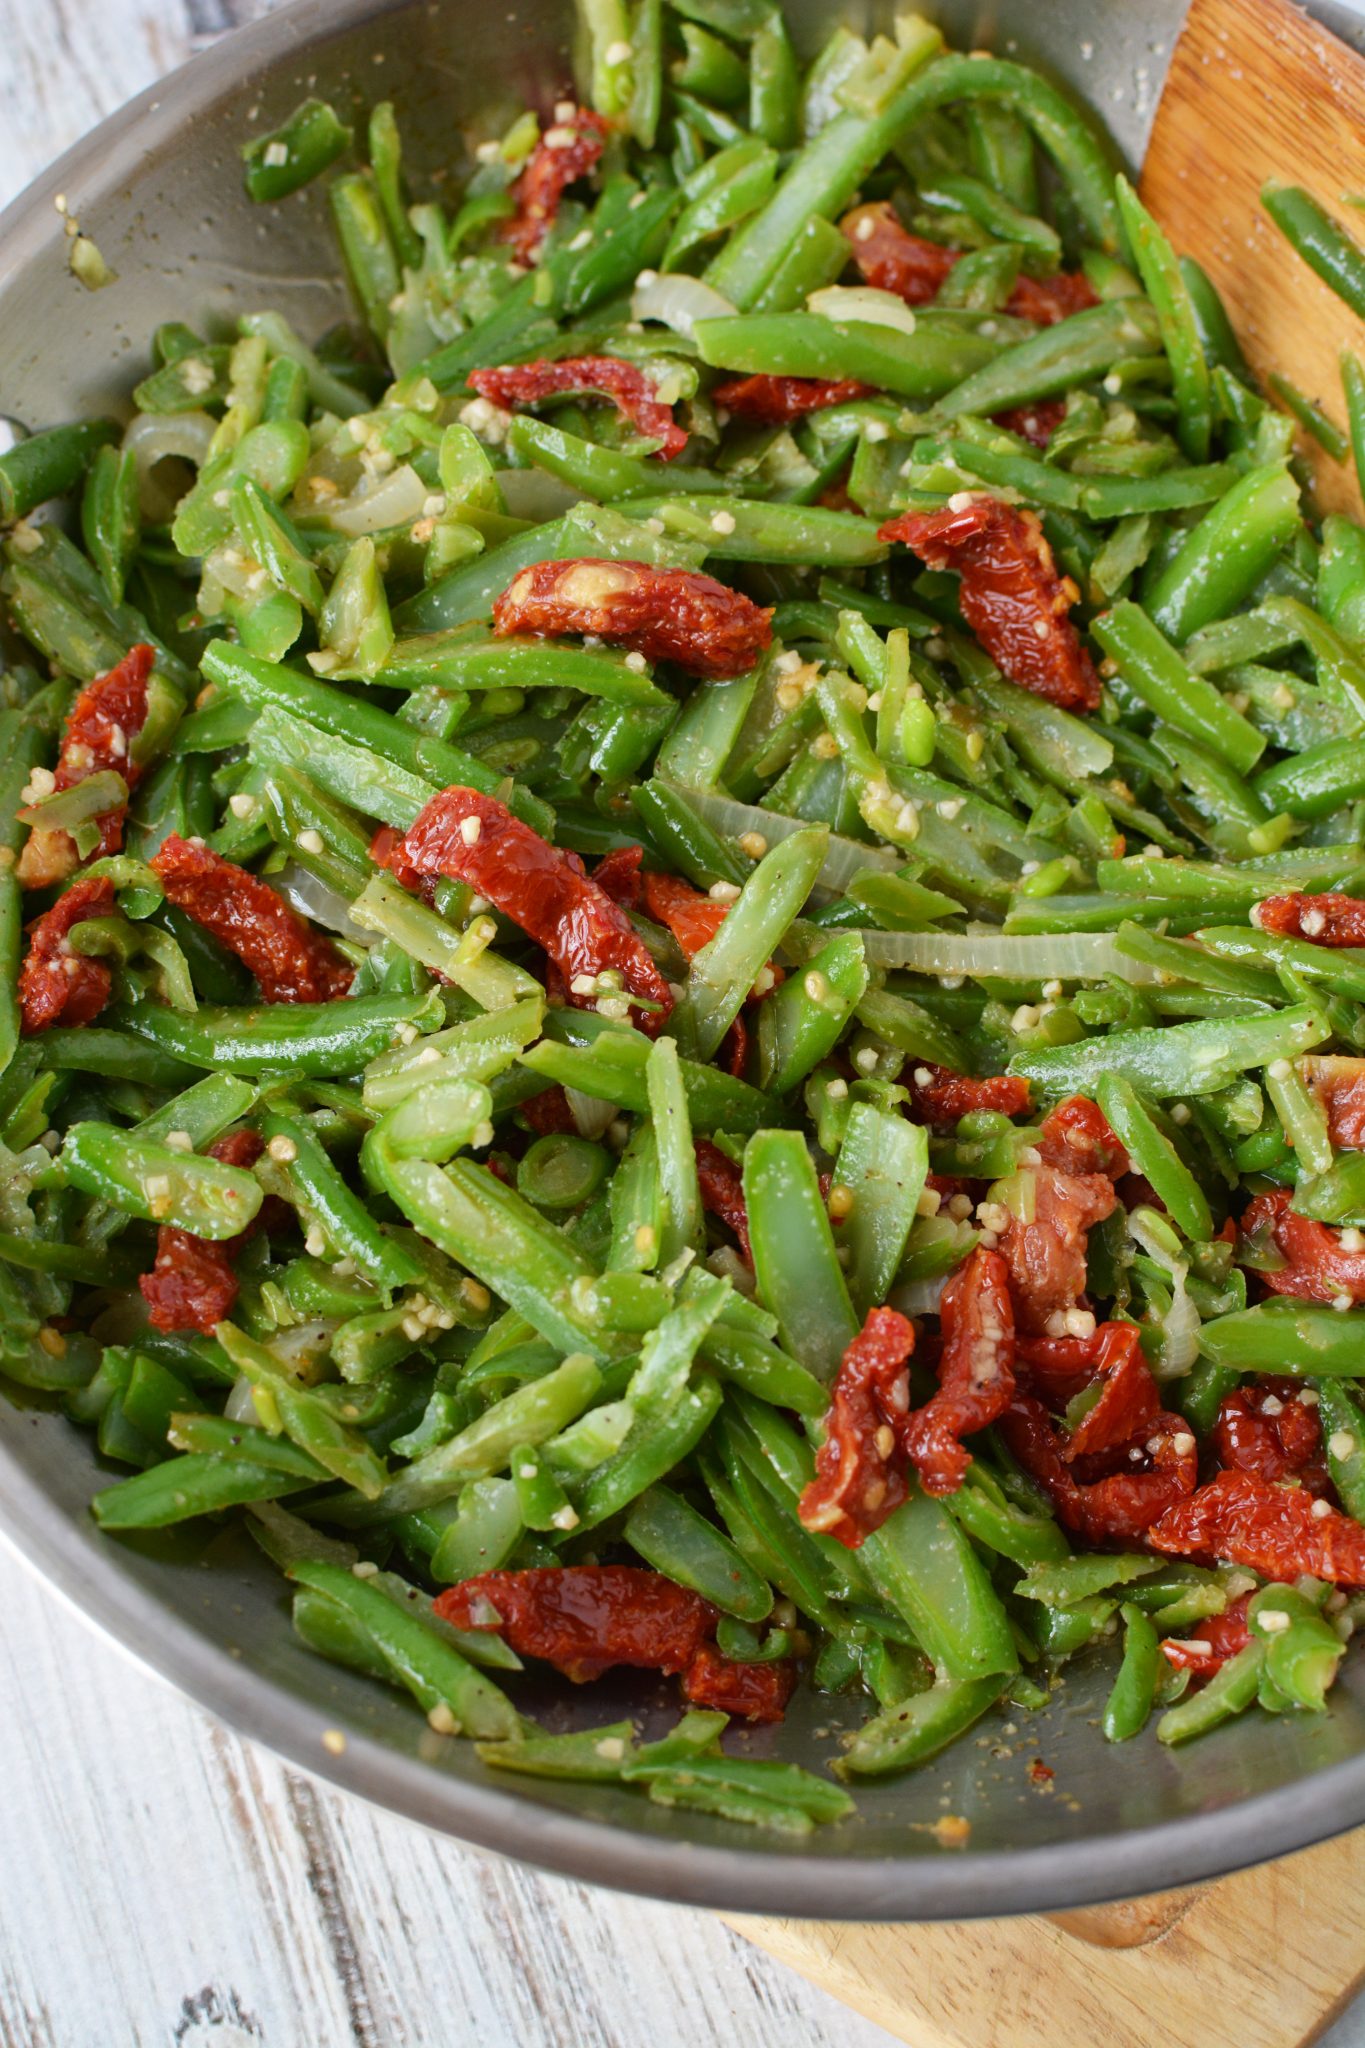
point(302, 1415)
point(160, 1183)
point(1337, 257)
point(1134, 1690)
point(677, 1163)
point(49, 465)
point(801, 1022)
point(277, 164)
point(903, 1736)
point(1161, 274)
point(1286, 1336)
point(723, 972)
point(1151, 667)
point(798, 1273)
point(1181, 1059)
point(669, 1534)
point(1225, 556)
point(1154, 1156)
point(331, 1206)
point(1343, 1434)
point(879, 1178)
point(185, 1487)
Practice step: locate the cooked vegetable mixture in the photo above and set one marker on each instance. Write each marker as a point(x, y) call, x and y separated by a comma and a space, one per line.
point(685, 925)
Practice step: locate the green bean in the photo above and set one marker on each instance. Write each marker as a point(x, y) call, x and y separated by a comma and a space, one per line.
point(1343, 1436)
point(277, 164)
point(909, 1734)
point(302, 1415)
point(1302, 1649)
point(1134, 1690)
point(923, 364)
point(882, 1164)
point(739, 530)
point(1151, 667)
point(309, 1038)
point(677, 1165)
point(49, 465)
point(1337, 257)
point(798, 1274)
point(669, 1534)
point(1154, 1156)
point(1225, 556)
point(725, 969)
point(1161, 274)
point(1181, 1059)
point(160, 1183)
point(1286, 1336)
point(182, 1488)
point(1072, 352)
point(801, 1022)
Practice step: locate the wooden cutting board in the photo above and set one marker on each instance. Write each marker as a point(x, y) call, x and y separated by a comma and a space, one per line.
point(1264, 1959)
point(1257, 90)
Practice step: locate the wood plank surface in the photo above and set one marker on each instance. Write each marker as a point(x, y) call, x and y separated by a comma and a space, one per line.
point(1256, 90)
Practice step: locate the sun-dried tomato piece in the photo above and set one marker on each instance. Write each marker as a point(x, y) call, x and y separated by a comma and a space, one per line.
point(583, 1618)
point(618, 872)
point(549, 1113)
point(1331, 920)
point(891, 258)
point(100, 727)
point(1036, 423)
point(759, 1692)
point(1057, 1368)
point(291, 962)
point(733, 1054)
point(1011, 595)
point(975, 1372)
point(1114, 1505)
point(55, 984)
point(1282, 1532)
point(673, 615)
point(1075, 1137)
point(386, 851)
point(1129, 1401)
point(476, 839)
point(193, 1285)
point(940, 1097)
point(1216, 1640)
point(565, 153)
point(1047, 300)
point(625, 384)
point(1046, 1254)
point(1265, 1428)
point(856, 1485)
point(722, 1192)
point(776, 401)
point(692, 918)
point(1317, 1267)
point(1339, 1084)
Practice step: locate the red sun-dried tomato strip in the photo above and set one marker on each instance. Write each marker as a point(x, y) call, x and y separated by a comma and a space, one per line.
point(549, 1113)
point(916, 270)
point(1036, 423)
point(584, 1618)
point(1117, 1505)
point(1317, 1266)
point(856, 1485)
point(1339, 1084)
point(1046, 300)
point(1046, 1254)
point(55, 984)
point(386, 851)
point(1280, 1531)
point(1076, 1138)
point(1266, 1429)
point(692, 918)
point(759, 1692)
point(476, 839)
point(1057, 1368)
point(625, 384)
point(673, 615)
point(1129, 1401)
point(100, 727)
point(1011, 595)
point(1332, 920)
point(975, 1372)
point(943, 1097)
point(566, 152)
point(722, 1192)
point(891, 258)
point(776, 401)
point(193, 1286)
point(1214, 1642)
point(291, 962)
point(618, 872)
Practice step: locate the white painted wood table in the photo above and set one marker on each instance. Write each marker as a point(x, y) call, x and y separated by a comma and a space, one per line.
point(163, 1885)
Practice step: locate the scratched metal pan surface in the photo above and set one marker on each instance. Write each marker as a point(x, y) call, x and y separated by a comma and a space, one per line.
point(158, 186)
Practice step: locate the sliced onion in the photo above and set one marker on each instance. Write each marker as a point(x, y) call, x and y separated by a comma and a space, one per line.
point(393, 500)
point(1180, 1331)
point(313, 899)
point(155, 436)
point(1028, 956)
point(590, 1113)
point(535, 494)
point(919, 1297)
point(864, 303)
point(239, 1406)
point(845, 860)
point(298, 1348)
point(678, 302)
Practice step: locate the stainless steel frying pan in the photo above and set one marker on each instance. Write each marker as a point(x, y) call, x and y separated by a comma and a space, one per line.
point(159, 188)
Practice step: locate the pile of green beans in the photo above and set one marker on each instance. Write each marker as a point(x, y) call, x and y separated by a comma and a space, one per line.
point(433, 1369)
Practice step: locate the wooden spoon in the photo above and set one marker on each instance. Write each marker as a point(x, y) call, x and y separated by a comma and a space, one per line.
point(1256, 90)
